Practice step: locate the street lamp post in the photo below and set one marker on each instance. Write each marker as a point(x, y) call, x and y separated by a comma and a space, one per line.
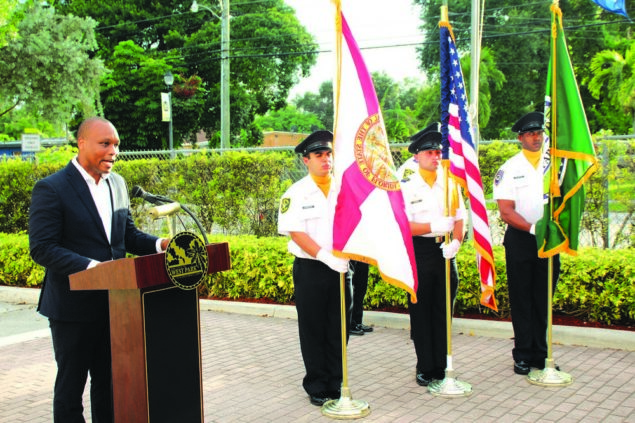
point(168, 78)
point(224, 70)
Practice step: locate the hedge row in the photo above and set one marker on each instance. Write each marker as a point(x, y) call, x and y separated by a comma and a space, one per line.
point(598, 285)
point(236, 192)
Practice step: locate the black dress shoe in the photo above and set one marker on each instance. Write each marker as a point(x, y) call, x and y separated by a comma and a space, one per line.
point(423, 379)
point(365, 328)
point(356, 329)
point(318, 399)
point(521, 367)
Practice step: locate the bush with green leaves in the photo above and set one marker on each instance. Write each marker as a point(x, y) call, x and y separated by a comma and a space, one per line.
point(597, 285)
point(234, 192)
point(16, 266)
point(17, 178)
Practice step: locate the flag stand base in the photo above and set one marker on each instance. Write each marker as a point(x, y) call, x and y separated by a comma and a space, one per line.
point(346, 408)
point(449, 387)
point(549, 376)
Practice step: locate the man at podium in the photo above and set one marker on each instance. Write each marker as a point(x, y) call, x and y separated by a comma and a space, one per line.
point(79, 218)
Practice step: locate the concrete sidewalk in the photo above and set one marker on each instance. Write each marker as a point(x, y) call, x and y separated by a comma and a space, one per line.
point(252, 371)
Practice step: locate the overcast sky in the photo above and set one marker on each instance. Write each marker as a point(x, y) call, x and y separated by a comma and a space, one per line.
point(374, 23)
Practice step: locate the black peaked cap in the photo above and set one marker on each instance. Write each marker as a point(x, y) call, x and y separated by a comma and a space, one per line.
point(318, 141)
point(532, 121)
point(426, 139)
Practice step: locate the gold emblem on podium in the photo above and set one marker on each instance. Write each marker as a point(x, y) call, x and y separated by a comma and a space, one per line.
point(186, 260)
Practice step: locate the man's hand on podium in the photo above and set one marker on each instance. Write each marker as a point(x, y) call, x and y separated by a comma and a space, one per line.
point(164, 243)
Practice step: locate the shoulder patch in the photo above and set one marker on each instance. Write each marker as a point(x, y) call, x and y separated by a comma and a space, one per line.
point(498, 177)
point(406, 175)
point(285, 203)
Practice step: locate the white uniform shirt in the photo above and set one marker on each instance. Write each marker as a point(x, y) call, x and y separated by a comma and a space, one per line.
point(304, 208)
point(425, 203)
point(519, 181)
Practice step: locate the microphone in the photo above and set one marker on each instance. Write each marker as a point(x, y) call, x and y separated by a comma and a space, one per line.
point(138, 192)
point(164, 210)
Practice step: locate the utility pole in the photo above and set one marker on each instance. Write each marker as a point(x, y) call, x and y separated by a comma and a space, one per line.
point(475, 58)
point(224, 67)
point(224, 54)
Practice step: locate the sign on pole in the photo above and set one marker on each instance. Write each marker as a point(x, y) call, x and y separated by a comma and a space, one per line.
point(30, 142)
point(165, 107)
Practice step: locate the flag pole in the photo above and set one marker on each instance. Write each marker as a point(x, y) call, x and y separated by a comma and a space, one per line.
point(345, 408)
point(549, 376)
point(449, 386)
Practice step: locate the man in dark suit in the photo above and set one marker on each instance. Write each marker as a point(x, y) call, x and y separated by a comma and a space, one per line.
point(79, 218)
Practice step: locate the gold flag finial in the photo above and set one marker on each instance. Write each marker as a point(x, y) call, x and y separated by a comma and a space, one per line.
point(444, 13)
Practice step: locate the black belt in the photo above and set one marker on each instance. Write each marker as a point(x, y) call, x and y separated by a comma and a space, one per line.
point(437, 239)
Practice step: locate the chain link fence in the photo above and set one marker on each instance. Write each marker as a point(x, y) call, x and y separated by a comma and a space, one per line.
point(608, 223)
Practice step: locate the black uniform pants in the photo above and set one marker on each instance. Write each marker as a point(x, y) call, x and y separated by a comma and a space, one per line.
point(360, 286)
point(317, 300)
point(527, 280)
point(428, 316)
point(81, 348)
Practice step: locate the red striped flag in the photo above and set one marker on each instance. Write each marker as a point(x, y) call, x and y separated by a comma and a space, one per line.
point(370, 219)
point(458, 147)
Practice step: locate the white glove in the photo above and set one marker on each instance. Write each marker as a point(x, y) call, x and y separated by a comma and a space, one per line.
point(338, 264)
point(450, 250)
point(442, 225)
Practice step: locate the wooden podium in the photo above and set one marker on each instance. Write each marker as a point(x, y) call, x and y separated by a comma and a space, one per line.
point(155, 337)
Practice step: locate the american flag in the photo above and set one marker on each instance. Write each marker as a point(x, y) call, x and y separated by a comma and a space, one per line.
point(459, 149)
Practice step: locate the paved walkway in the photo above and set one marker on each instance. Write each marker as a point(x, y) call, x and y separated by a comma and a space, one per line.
point(252, 372)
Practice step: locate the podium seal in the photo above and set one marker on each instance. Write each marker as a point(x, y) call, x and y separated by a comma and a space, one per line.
point(186, 260)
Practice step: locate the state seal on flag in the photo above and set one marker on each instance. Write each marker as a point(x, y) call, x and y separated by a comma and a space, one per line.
point(373, 155)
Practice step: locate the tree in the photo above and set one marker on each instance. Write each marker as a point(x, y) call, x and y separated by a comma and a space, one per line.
point(8, 20)
point(131, 95)
point(614, 77)
point(397, 100)
point(490, 78)
point(518, 35)
point(289, 119)
point(47, 69)
point(18, 122)
point(269, 52)
point(148, 24)
point(320, 104)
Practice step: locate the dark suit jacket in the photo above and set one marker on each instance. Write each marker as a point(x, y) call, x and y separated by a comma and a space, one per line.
point(66, 233)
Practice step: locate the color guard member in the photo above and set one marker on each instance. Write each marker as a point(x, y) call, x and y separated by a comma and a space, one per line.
point(306, 214)
point(424, 192)
point(518, 189)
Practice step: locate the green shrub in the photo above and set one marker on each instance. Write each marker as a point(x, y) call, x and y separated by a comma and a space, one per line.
point(17, 178)
point(236, 192)
point(261, 268)
point(490, 158)
point(16, 266)
point(597, 285)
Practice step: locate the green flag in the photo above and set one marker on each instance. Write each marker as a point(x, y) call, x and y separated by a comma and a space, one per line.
point(569, 158)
